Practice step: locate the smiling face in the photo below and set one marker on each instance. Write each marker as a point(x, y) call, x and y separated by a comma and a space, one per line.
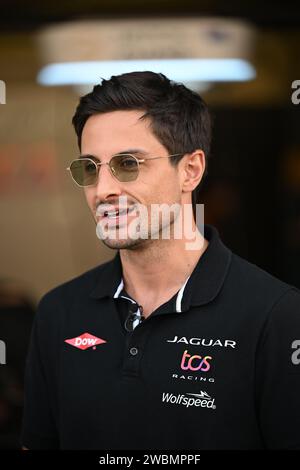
point(158, 182)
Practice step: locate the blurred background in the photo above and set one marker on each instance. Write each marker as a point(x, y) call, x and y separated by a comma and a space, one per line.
point(245, 64)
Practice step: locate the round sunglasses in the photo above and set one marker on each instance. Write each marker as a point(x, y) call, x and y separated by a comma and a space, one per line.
point(124, 167)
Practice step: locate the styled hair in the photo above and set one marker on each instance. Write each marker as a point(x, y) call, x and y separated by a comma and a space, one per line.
point(179, 117)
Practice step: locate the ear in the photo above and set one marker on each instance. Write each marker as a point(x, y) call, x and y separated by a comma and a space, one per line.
point(192, 171)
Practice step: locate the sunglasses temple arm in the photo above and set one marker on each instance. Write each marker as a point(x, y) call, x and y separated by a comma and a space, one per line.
point(165, 156)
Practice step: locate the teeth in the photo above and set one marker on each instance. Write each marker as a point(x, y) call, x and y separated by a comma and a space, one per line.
point(123, 211)
point(114, 214)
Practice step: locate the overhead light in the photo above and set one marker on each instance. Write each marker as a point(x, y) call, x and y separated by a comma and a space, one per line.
point(182, 70)
point(194, 50)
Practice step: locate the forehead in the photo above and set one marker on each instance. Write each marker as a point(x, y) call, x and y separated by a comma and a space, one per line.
point(109, 132)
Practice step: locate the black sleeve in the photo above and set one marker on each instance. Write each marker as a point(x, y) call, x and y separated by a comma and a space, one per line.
point(38, 426)
point(278, 374)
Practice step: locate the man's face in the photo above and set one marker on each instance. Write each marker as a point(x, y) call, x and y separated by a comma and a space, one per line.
point(158, 182)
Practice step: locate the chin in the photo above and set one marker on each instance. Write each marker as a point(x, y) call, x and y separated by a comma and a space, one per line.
point(122, 244)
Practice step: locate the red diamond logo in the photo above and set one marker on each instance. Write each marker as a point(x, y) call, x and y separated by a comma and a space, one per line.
point(85, 341)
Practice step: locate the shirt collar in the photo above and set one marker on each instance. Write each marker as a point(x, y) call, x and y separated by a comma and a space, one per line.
point(178, 302)
point(209, 275)
point(201, 287)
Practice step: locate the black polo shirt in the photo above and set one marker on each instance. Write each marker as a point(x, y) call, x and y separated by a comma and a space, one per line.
point(215, 367)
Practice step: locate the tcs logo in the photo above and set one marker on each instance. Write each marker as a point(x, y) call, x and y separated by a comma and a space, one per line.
point(195, 362)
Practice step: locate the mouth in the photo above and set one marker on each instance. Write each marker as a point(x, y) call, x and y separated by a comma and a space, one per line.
point(116, 213)
point(115, 216)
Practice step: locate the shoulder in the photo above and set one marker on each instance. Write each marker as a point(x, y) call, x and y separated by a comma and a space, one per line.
point(83, 282)
point(261, 287)
point(56, 301)
point(250, 274)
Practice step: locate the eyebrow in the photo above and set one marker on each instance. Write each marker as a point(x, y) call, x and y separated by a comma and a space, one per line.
point(132, 151)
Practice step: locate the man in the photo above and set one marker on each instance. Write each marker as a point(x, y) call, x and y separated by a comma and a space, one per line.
point(177, 343)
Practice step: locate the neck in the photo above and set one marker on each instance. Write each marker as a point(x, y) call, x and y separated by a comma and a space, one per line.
point(158, 268)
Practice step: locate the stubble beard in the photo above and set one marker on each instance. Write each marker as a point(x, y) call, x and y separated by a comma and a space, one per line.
point(147, 236)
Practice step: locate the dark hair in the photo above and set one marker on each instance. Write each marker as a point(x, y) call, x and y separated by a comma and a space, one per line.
point(179, 117)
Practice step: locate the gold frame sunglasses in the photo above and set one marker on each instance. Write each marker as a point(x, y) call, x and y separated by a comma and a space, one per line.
point(124, 167)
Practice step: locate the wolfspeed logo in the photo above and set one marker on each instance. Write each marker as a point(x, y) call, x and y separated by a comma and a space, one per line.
point(193, 399)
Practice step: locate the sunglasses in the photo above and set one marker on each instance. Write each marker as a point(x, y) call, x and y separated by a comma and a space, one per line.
point(124, 167)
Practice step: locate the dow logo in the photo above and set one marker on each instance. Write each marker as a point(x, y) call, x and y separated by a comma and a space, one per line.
point(2, 352)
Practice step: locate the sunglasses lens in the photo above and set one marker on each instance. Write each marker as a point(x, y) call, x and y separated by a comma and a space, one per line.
point(124, 167)
point(84, 172)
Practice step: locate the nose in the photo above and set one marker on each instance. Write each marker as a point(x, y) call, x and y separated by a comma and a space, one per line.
point(107, 185)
